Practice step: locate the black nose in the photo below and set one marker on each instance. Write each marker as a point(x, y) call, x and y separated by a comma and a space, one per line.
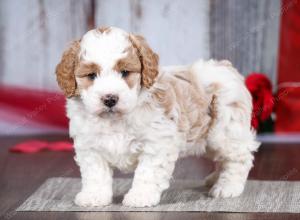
point(110, 100)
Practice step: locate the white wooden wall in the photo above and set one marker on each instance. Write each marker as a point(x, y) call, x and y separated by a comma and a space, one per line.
point(177, 30)
point(33, 33)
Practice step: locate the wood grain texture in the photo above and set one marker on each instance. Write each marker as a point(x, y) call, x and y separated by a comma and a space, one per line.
point(35, 34)
point(177, 30)
point(246, 32)
point(22, 174)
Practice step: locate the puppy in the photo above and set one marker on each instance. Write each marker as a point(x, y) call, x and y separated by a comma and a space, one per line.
point(127, 113)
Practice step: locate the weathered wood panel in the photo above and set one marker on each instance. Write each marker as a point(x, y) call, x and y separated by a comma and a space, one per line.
point(246, 32)
point(177, 30)
point(34, 34)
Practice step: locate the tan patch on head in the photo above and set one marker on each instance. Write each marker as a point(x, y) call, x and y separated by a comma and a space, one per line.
point(132, 64)
point(148, 59)
point(82, 72)
point(134, 79)
point(85, 68)
point(65, 69)
point(103, 30)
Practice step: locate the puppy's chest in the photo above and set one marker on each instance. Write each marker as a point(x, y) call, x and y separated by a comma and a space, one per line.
point(117, 142)
point(121, 150)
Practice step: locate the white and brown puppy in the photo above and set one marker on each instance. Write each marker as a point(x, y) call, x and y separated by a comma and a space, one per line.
point(127, 113)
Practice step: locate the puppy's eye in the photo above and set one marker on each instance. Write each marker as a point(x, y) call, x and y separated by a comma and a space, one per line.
point(124, 73)
point(92, 76)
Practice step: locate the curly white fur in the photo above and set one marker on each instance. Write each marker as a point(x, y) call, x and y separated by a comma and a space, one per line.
point(145, 140)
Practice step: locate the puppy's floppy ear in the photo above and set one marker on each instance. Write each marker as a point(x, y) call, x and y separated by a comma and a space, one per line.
point(148, 59)
point(65, 69)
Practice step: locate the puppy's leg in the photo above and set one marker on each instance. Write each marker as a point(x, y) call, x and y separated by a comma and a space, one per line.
point(152, 175)
point(234, 158)
point(96, 177)
point(231, 142)
point(231, 179)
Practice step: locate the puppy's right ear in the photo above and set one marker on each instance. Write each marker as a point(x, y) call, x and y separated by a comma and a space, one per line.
point(149, 60)
point(65, 69)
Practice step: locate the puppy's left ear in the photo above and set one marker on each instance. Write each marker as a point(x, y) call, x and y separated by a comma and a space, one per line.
point(65, 70)
point(148, 59)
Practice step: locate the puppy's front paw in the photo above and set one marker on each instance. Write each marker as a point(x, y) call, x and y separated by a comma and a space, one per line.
point(141, 197)
point(92, 199)
point(227, 190)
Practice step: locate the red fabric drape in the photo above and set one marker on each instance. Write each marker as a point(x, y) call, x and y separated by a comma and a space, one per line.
point(288, 97)
point(36, 105)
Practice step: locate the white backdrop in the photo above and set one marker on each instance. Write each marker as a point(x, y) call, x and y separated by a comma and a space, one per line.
point(34, 33)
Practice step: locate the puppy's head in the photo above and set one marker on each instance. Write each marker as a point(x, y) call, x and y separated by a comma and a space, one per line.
point(107, 68)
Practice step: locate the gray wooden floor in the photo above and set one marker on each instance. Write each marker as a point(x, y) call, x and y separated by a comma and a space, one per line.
point(22, 174)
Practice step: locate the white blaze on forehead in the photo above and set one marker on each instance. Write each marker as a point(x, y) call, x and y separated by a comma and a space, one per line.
point(104, 48)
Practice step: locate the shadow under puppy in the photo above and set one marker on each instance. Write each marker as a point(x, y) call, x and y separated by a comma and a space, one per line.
point(127, 113)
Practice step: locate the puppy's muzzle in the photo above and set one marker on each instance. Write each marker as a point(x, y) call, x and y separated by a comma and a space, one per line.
point(110, 100)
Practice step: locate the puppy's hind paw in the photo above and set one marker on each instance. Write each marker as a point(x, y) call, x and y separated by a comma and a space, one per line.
point(226, 190)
